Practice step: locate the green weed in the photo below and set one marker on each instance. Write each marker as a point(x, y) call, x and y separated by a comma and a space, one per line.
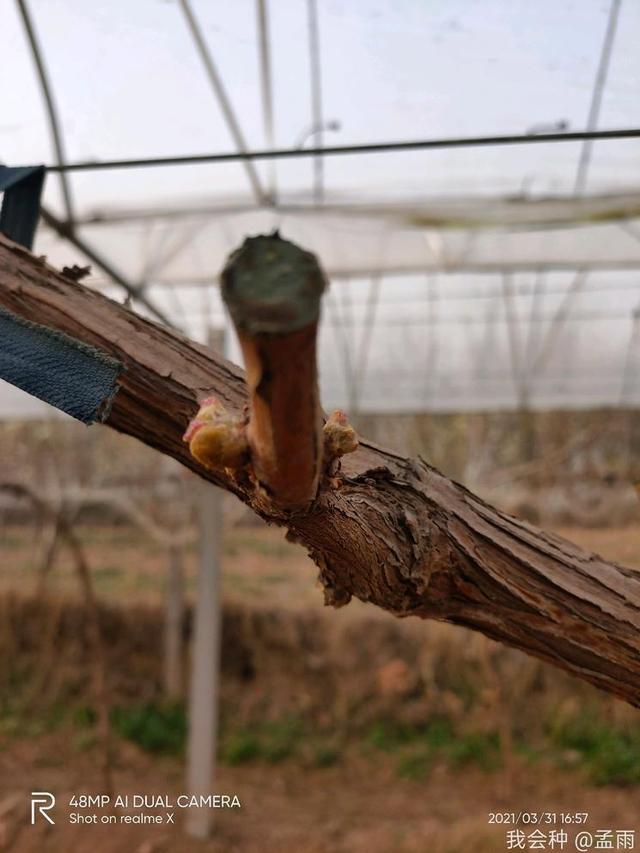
point(420, 746)
point(240, 748)
point(325, 755)
point(609, 755)
point(157, 728)
point(273, 741)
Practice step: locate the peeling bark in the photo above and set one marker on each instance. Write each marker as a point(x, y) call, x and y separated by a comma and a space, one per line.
point(388, 530)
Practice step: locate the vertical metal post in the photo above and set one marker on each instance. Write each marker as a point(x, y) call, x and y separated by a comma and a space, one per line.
point(344, 342)
point(266, 85)
point(316, 99)
point(431, 368)
point(205, 665)
point(173, 625)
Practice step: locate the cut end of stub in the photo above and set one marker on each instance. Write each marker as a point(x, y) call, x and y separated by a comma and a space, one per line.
point(271, 286)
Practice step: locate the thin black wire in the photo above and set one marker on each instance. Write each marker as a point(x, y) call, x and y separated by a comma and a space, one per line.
point(367, 148)
point(469, 319)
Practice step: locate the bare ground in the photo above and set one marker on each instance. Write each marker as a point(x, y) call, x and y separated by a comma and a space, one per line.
point(358, 805)
point(348, 809)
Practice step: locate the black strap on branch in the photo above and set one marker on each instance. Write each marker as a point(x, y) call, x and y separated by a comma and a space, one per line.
point(22, 187)
point(76, 378)
point(66, 373)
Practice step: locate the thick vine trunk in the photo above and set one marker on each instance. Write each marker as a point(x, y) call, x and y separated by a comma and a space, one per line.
point(388, 530)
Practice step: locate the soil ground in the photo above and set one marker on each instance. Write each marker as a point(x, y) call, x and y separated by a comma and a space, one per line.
point(357, 805)
point(353, 808)
point(259, 565)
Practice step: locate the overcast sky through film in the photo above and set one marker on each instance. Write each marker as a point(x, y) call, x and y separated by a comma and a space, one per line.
point(128, 83)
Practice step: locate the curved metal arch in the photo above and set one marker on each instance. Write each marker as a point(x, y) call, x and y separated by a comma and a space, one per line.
point(67, 229)
point(52, 112)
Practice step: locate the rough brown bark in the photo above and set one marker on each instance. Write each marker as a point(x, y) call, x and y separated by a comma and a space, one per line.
point(389, 530)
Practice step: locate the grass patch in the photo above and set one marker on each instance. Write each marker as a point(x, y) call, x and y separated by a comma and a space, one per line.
point(415, 765)
point(609, 755)
point(274, 579)
point(282, 739)
point(84, 717)
point(230, 549)
point(531, 753)
point(156, 728)
point(20, 721)
point(108, 576)
point(239, 583)
point(15, 541)
point(273, 742)
point(325, 755)
point(479, 748)
point(464, 687)
point(240, 748)
point(420, 746)
point(148, 580)
point(121, 535)
point(390, 735)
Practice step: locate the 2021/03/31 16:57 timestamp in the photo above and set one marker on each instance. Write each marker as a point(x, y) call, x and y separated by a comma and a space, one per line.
point(527, 818)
